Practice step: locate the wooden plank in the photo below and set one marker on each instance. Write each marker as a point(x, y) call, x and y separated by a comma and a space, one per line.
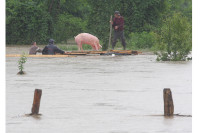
point(122, 51)
point(86, 52)
point(18, 55)
point(76, 53)
point(136, 52)
point(125, 52)
point(104, 52)
point(97, 52)
point(72, 53)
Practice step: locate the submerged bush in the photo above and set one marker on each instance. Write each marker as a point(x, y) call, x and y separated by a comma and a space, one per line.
point(176, 39)
point(21, 63)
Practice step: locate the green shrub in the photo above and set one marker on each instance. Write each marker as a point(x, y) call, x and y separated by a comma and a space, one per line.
point(21, 63)
point(141, 40)
point(176, 38)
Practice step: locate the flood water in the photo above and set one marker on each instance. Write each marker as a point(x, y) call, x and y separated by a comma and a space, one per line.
point(98, 94)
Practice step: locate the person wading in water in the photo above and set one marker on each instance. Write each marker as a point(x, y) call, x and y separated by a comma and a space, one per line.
point(118, 25)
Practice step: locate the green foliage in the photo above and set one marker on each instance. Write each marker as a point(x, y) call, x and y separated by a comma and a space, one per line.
point(40, 20)
point(98, 23)
point(177, 38)
point(163, 57)
point(74, 47)
point(68, 47)
point(25, 22)
point(68, 26)
point(87, 47)
point(36, 20)
point(183, 6)
point(21, 63)
point(141, 40)
point(139, 15)
point(159, 44)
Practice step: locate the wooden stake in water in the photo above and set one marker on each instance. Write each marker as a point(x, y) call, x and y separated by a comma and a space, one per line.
point(110, 31)
point(36, 101)
point(168, 102)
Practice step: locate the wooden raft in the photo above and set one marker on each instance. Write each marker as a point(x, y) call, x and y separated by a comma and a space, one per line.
point(119, 52)
point(75, 53)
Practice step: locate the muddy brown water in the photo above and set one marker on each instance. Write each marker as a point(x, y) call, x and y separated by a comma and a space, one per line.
point(97, 94)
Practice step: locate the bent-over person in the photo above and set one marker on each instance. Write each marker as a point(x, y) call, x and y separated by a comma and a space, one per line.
point(51, 49)
point(34, 49)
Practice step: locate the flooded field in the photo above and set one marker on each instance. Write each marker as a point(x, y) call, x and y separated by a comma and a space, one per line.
point(98, 94)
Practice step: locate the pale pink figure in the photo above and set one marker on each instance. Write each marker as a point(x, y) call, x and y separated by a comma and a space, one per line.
point(86, 38)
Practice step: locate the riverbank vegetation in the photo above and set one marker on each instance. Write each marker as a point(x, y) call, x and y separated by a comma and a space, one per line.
point(161, 25)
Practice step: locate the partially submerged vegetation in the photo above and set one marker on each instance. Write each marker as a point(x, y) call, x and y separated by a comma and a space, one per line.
point(175, 40)
point(22, 60)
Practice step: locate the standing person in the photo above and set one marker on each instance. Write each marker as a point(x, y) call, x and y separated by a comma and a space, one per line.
point(118, 25)
point(34, 49)
point(51, 49)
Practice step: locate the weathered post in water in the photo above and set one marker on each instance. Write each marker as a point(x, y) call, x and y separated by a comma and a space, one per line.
point(168, 102)
point(36, 101)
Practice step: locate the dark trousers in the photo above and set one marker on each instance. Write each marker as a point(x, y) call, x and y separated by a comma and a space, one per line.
point(119, 35)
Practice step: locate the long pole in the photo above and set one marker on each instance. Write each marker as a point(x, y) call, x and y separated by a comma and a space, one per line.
point(110, 31)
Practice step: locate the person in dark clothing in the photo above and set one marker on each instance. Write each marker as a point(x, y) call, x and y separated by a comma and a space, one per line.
point(118, 25)
point(51, 49)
